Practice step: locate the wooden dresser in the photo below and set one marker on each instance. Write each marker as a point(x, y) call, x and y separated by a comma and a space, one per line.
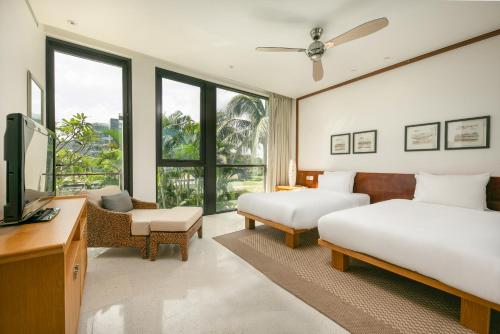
point(42, 271)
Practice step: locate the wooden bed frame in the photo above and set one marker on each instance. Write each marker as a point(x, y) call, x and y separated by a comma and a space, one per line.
point(474, 311)
point(291, 234)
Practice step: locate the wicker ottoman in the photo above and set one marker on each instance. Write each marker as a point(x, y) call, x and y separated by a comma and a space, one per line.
point(176, 226)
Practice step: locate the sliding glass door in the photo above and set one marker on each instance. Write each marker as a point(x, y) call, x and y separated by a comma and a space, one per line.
point(89, 109)
point(211, 143)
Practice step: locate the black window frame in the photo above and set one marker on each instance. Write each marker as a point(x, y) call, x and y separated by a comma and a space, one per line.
point(217, 165)
point(53, 45)
point(208, 126)
point(165, 74)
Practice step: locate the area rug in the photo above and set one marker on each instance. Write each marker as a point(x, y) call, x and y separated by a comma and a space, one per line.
point(364, 300)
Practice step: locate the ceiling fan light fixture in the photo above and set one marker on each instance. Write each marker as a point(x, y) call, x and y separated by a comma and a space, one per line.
point(317, 48)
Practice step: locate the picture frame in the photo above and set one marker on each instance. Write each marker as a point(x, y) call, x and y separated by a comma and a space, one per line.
point(340, 144)
point(423, 137)
point(468, 133)
point(364, 142)
point(35, 100)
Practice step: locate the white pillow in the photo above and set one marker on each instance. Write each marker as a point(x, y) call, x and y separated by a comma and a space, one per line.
point(467, 191)
point(350, 174)
point(337, 181)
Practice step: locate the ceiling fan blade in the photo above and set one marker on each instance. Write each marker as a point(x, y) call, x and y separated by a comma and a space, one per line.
point(278, 49)
point(317, 70)
point(360, 31)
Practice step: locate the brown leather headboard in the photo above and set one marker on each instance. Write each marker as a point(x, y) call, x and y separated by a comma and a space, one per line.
point(386, 186)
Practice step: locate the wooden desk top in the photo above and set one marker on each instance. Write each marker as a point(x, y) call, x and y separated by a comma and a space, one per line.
point(49, 237)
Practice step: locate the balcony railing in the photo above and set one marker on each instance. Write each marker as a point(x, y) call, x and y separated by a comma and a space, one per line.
point(71, 183)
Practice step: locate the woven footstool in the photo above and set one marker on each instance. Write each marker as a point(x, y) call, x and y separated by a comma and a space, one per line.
point(176, 226)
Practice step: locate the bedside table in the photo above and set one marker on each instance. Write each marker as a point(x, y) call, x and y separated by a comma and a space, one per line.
point(288, 188)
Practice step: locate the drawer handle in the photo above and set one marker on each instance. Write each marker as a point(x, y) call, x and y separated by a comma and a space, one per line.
point(76, 269)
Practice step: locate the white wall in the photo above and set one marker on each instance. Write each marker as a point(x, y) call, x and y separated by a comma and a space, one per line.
point(143, 107)
point(22, 48)
point(457, 84)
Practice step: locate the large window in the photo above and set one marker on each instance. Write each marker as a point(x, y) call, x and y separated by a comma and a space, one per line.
point(89, 109)
point(211, 143)
point(181, 111)
point(180, 176)
point(242, 126)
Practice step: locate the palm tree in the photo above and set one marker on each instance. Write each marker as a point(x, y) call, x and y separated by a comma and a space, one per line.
point(181, 137)
point(247, 115)
point(232, 137)
point(241, 128)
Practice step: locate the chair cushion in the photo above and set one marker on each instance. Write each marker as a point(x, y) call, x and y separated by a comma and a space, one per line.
point(141, 218)
point(95, 195)
point(139, 227)
point(178, 219)
point(120, 202)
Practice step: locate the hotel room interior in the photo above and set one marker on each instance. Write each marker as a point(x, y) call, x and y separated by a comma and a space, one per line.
point(249, 166)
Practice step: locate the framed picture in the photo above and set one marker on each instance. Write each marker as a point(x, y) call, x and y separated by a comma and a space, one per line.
point(35, 100)
point(364, 142)
point(340, 144)
point(467, 133)
point(422, 137)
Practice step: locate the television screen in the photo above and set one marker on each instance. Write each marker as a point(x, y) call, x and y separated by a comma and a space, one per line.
point(29, 152)
point(39, 167)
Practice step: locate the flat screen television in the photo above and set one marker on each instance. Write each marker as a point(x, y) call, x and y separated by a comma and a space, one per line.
point(30, 154)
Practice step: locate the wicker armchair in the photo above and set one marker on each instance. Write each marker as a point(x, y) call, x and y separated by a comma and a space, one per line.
point(113, 229)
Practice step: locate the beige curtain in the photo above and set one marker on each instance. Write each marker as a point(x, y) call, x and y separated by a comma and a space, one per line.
point(278, 156)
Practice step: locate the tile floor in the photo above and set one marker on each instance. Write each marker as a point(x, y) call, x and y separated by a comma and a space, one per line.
point(214, 292)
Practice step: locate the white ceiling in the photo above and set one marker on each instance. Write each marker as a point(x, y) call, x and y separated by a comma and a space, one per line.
point(209, 36)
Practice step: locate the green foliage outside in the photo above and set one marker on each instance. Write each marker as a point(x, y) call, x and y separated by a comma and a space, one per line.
point(90, 155)
point(86, 157)
point(241, 139)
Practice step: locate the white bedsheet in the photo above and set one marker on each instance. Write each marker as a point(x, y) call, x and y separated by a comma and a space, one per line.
point(457, 246)
point(300, 208)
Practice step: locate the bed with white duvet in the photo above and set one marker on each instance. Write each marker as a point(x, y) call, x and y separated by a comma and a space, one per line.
point(299, 209)
point(457, 246)
point(295, 212)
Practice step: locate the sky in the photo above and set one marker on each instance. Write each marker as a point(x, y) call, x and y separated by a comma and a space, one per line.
point(180, 96)
point(95, 88)
point(186, 98)
point(90, 87)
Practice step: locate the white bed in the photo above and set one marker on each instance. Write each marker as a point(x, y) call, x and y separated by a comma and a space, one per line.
point(457, 246)
point(298, 209)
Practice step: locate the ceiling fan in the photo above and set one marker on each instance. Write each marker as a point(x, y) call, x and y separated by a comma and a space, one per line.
point(317, 48)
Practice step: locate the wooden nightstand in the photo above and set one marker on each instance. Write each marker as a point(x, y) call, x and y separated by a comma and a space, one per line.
point(288, 188)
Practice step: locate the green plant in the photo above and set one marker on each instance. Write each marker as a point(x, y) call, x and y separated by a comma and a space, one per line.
point(241, 128)
point(86, 157)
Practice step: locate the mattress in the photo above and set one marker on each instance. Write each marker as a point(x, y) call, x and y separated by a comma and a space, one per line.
point(299, 209)
point(457, 246)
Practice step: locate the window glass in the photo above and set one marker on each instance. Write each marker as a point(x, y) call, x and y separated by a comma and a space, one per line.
point(179, 186)
point(242, 126)
point(181, 132)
